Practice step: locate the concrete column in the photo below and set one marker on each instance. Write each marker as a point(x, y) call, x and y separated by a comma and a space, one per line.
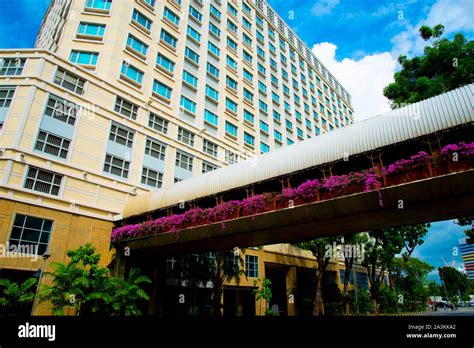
point(290, 290)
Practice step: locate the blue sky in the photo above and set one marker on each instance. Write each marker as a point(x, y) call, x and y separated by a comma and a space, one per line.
point(357, 40)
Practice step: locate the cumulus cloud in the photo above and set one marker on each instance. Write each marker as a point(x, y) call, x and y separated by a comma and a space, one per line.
point(455, 15)
point(323, 7)
point(364, 78)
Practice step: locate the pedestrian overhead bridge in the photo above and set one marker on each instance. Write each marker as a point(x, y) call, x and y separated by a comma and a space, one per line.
point(444, 191)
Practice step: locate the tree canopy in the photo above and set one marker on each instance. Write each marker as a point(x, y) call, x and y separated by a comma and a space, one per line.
point(445, 65)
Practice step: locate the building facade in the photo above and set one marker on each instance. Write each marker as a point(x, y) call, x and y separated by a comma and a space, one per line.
point(122, 97)
point(467, 253)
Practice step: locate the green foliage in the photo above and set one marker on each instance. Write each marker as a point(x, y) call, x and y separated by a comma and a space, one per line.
point(17, 298)
point(388, 300)
point(444, 66)
point(455, 283)
point(434, 289)
point(364, 303)
point(470, 231)
point(84, 286)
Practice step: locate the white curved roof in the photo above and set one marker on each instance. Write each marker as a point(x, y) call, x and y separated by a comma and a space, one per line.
point(412, 121)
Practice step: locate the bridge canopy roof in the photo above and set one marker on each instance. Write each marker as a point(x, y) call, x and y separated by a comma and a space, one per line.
point(436, 114)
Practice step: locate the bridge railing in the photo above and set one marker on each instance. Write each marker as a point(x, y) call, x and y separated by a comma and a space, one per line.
point(452, 158)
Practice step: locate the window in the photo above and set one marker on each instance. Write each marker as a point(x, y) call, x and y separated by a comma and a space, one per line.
point(273, 64)
point(189, 79)
point(278, 136)
point(362, 280)
point(231, 83)
point(261, 68)
point(271, 33)
point(164, 62)
point(161, 89)
point(211, 69)
point(231, 62)
point(274, 80)
point(155, 149)
point(171, 16)
point(264, 126)
point(289, 125)
point(69, 81)
point(248, 116)
point(157, 123)
point(231, 25)
point(194, 33)
point(260, 52)
point(247, 56)
point(251, 266)
point(246, 23)
point(276, 116)
point(116, 166)
point(168, 38)
point(142, 20)
point(272, 48)
point(231, 157)
point(188, 104)
point(136, 45)
point(208, 167)
point(214, 29)
point(43, 181)
point(210, 148)
point(264, 147)
point(232, 9)
point(6, 96)
point(215, 11)
point(195, 13)
point(126, 108)
point(121, 135)
point(152, 178)
point(247, 75)
point(263, 106)
point(84, 58)
point(193, 56)
point(210, 117)
point(249, 139)
point(184, 160)
point(230, 129)
point(248, 95)
point(99, 4)
point(260, 36)
point(91, 30)
point(231, 105)
point(131, 73)
point(213, 49)
point(262, 87)
point(212, 93)
point(31, 232)
point(275, 97)
point(232, 44)
point(247, 39)
point(185, 136)
point(52, 144)
point(289, 141)
point(150, 2)
point(299, 132)
point(62, 110)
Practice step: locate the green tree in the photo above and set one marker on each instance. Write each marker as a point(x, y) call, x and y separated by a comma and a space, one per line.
point(265, 292)
point(322, 251)
point(81, 284)
point(380, 251)
point(444, 66)
point(17, 298)
point(456, 284)
point(470, 231)
point(434, 289)
point(412, 283)
point(364, 302)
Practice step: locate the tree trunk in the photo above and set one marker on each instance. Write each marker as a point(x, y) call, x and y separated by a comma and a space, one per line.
point(347, 276)
point(318, 298)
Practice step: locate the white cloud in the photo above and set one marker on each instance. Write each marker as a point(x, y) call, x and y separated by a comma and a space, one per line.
point(455, 15)
point(364, 78)
point(323, 7)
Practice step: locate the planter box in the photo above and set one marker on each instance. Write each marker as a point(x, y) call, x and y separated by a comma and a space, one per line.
point(460, 165)
point(412, 174)
point(343, 191)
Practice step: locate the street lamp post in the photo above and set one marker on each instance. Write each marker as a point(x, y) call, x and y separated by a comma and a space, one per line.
point(45, 256)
